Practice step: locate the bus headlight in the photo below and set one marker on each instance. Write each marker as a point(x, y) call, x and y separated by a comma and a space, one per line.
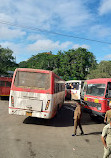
point(12, 101)
point(109, 103)
point(99, 108)
point(47, 105)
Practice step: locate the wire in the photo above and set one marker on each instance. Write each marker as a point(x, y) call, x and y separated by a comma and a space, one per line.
point(50, 32)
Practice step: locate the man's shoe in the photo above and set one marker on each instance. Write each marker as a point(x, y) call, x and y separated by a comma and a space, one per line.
point(82, 133)
point(73, 134)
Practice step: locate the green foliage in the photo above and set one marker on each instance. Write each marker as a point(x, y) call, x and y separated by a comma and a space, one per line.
point(7, 61)
point(40, 61)
point(103, 70)
point(74, 64)
point(71, 64)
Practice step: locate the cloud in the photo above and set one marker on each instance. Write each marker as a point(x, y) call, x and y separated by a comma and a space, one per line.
point(100, 31)
point(23, 52)
point(60, 13)
point(48, 45)
point(6, 33)
point(16, 48)
point(20, 52)
point(36, 37)
point(107, 57)
point(105, 7)
point(6, 17)
point(75, 46)
point(72, 13)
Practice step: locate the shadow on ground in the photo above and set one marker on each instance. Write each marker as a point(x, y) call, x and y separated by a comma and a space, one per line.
point(64, 118)
point(4, 98)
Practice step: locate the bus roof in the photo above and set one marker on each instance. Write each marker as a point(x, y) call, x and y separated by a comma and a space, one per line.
point(32, 70)
point(98, 80)
point(71, 81)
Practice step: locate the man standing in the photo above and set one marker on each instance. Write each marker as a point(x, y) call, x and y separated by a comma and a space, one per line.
point(106, 139)
point(77, 119)
point(108, 115)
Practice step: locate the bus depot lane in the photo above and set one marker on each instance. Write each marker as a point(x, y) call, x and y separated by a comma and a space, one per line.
point(29, 137)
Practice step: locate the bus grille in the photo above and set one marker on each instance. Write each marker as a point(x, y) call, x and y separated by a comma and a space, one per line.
point(92, 104)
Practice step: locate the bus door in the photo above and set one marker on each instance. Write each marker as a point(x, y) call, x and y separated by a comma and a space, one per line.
point(83, 92)
point(108, 95)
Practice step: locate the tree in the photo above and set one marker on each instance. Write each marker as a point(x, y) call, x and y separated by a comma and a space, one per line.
point(71, 64)
point(7, 61)
point(75, 64)
point(103, 70)
point(40, 61)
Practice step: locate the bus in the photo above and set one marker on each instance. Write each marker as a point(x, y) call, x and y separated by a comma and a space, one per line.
point(96, 96)
point(5, 85)
point(37, 93)
point(75, 86)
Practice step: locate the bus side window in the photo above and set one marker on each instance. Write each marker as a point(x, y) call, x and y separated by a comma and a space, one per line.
point(61, 87)
point(8, 84)
point(2, 83)
point(57, 87)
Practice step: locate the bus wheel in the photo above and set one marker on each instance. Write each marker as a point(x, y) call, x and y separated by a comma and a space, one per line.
point(93, 117)
point(57, 110)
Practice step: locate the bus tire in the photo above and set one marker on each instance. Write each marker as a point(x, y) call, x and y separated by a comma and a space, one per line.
point(57, 110)
point(93, 117)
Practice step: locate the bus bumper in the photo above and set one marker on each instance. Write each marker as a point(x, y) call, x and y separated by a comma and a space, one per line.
point(95, 113)
point(45, 114)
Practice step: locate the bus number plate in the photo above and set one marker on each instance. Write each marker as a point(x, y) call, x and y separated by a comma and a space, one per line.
point(28, 113)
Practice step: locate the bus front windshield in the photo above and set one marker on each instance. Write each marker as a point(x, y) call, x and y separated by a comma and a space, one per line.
point(74, 85)
point(33, 80)
point(96, 89)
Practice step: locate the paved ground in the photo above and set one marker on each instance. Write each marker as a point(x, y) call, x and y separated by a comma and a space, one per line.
point(22, 137)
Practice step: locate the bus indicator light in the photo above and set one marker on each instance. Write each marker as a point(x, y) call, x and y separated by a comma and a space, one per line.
point(96, 100)
point(47, 105)
point(12, 99)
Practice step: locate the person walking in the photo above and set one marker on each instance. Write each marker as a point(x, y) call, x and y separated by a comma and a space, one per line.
point(77, 119)
point(106, 139)
point(108, 115)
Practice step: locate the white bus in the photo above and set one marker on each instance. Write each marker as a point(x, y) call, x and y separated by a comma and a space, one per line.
point(75, 86)
point(36, 93)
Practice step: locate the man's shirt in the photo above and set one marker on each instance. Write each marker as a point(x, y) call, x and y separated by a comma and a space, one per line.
point(106, 133)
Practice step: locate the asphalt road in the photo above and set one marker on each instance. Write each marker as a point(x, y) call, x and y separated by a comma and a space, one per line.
point(26, 137)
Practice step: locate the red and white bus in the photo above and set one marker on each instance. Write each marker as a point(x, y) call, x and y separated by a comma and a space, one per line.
point(5, 85)
point(36, 93)
point(75, 87)
point(96, 96)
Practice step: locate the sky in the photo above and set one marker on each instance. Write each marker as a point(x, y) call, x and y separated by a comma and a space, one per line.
point(29, 27)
